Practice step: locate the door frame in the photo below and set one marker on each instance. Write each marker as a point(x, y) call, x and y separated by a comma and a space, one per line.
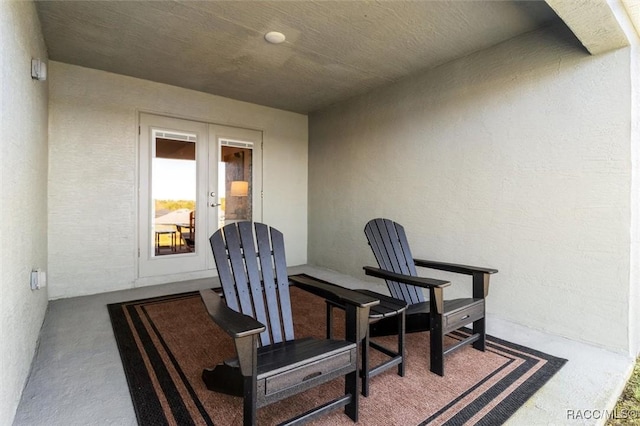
point(207, 150)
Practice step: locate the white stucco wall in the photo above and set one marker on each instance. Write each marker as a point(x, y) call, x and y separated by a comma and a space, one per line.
point(93, 161)
point(624, 18)
point(23, 198)
point(516, 157)
point(634, 317)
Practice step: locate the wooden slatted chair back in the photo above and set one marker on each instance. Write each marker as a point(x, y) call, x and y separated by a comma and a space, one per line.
point(252, 269)
point(391, 250)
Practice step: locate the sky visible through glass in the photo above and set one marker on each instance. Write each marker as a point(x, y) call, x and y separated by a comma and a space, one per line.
point(174, 179)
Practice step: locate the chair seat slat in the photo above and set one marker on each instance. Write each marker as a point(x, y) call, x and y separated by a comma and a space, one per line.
point(282, 282)
point(238, 269)
point(255, 284)
point(222, 259)
point(268, 278)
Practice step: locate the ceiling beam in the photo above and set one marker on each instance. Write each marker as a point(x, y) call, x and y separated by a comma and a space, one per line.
point(593, 23)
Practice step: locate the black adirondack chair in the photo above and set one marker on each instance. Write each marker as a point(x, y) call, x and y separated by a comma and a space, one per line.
point(398, 268)
point(256, 311)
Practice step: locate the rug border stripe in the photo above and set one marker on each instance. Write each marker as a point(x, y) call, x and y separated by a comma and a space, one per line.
point(526, 390)
point(183, 377)
point(490, 394)
point(146, 398)
point(176, 404)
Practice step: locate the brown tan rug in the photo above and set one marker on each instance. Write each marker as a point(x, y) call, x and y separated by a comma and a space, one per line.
point(165, 343)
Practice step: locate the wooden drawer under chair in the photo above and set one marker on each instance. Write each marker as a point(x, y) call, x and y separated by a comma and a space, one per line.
point(275, 383)
point(460, 312)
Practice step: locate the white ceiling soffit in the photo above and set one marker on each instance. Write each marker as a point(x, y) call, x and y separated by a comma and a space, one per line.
point(633, 9)
point(334, 50)
point(593, 23)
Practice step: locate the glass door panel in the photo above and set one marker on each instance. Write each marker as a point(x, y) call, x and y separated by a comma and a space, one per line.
point(237, 190)
point(173, 180)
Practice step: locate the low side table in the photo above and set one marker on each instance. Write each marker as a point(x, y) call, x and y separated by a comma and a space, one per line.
point(171, 245)
point(388, 307)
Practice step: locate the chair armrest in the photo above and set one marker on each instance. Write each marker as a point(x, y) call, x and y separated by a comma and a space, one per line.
point(453, 267)
point(480, 275)
point(332, 292)
point(357, 305)
point(406, 279)
point(233, 323)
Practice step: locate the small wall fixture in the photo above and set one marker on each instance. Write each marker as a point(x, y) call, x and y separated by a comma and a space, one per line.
point(38, 70)
point(274, 37)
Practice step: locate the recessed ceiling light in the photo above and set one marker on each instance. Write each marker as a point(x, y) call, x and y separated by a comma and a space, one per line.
point(274, 37)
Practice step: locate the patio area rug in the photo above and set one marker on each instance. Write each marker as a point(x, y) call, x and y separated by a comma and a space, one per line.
point(165, 343)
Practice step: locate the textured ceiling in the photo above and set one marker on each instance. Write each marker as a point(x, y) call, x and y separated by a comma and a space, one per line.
point(334, 49)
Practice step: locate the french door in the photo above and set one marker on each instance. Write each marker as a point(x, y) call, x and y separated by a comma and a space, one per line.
point(195, 177)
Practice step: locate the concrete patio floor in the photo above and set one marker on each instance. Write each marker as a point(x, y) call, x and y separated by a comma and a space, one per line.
point(77, 376)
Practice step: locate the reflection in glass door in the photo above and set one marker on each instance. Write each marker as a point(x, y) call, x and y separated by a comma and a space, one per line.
point(235, 182)
point(173, 192)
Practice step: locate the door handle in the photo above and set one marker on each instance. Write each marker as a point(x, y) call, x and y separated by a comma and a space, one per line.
point(215, 204)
